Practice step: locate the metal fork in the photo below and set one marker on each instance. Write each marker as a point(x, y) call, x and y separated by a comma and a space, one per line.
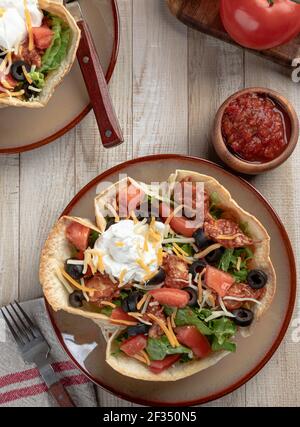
point(35, 349)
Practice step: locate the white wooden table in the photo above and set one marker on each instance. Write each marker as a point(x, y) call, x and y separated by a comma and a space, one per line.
point(167, 85)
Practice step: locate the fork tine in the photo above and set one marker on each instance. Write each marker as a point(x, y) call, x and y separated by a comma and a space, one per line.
point(23, 334)
point(34, 328)
point(17, 338)
point(26, 329)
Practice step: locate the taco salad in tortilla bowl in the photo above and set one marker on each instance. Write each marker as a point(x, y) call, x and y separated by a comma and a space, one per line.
point(38, 45)
point(171, 275)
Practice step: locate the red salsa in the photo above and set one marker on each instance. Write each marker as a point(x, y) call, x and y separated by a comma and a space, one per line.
point(255, 128)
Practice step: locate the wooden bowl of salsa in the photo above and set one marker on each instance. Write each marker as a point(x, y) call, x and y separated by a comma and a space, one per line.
point(255, 130)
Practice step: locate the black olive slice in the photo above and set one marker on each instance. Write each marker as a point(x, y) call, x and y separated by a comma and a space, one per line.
point(193, 296)
point(140, 328)
point(129, 304)
point(197, 267)
point(76, 299)
point(158, 278)
point(214, 256)
point(257, 279)
point(74, 270)
point(201, 239)
point(243, 317)
point(17, 71)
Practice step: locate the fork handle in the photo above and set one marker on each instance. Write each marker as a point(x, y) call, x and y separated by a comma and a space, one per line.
point(96, 85)
point(59, 393)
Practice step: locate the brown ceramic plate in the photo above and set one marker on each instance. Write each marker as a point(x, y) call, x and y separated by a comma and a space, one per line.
point(24, 129)
point(82, 339)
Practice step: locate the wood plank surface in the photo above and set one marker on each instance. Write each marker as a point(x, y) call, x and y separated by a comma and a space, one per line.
point(204, 16)
point(168, 83)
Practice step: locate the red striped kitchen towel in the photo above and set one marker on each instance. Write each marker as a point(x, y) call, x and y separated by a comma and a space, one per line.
point(21, 384)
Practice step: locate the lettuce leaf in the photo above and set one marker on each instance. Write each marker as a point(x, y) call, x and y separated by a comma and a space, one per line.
point(218, 331)
point(159, 348)
point(57, 51)
point(229, 260)
point(223, 329)
point(187, 316)
point(38, 79)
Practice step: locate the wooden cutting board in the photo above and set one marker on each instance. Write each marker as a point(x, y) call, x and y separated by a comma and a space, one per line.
point(203, 15)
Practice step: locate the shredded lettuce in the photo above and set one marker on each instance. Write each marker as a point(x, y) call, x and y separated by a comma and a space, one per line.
point(223, 329)
point(187, 316)
point(229, 260)
point(218, 331)
point(38, 79)
point(159, 348)
point(57, 51)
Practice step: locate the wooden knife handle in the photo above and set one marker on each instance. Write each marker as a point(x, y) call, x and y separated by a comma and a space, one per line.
point(96, 84)
point(60, 394)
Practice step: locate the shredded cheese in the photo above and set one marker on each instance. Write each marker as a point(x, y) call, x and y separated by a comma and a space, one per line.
point(139, 317)
point(63, 280)
point(122, 276)
point(172, 214)
point(200, 290)
point(228, 313)
point(145, 267)
point(141, 302)
point(206, 251)
point(184, 258)
point(140, 358)
point(122, 322)
point(27, 76)
point(179, 249)
point(120, 244)
point(164, 329)
point(169, 323)
point(217, 314)
point(160, 256)
point(228, 237)
point(238, 264)
point(145, 355)
point(149, 276)
point(108, 303)
point(179, 240)
point(146, 246)
point(242, 299)
point(76, 284)
point(29, 26)
point(133, 216)
point(173, 317)
point(13, 94)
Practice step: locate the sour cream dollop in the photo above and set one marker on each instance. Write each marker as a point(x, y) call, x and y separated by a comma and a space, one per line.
point(13, 28)
point(122, 247)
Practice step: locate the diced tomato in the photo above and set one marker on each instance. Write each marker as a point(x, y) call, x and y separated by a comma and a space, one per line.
point(78, 235)
point(157, 366)
point(192, 338)
point(129, 199)
point(171, 296)
point(119, 314)
point(179, 224)
point(134, 345)
point(42, 37)
point(218, 280)
point(10, 80)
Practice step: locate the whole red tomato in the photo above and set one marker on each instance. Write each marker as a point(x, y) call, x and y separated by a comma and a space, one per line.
point(261, 24)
